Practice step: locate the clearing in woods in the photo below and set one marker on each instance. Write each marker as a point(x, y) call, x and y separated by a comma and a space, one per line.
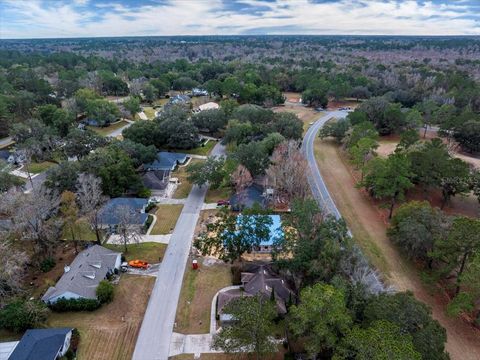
point(111, 331)
point(367, 224)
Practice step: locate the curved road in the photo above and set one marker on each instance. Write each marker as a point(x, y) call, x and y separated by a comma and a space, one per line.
point(319, 189)
point(153, 341)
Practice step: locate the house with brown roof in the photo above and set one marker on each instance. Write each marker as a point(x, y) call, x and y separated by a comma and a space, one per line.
point(261, 281)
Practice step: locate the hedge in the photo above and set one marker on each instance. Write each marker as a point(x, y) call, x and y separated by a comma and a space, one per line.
point(63, 305)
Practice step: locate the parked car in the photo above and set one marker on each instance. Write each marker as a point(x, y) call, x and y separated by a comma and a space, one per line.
point(223, 203)
point(139, 264)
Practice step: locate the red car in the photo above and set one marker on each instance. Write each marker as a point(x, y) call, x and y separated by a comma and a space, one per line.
point(223, 203)
point(139, 264)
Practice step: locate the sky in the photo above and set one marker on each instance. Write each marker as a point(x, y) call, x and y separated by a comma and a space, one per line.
point(94, 18)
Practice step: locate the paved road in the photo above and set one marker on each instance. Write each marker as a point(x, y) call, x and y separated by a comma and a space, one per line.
point(5, 141)
point(37, 181)
point(317, 184)
point(118, 132)
point(153, 341)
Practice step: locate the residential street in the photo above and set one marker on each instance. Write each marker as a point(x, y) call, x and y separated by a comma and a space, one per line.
point(153, 341)
point(317, 184)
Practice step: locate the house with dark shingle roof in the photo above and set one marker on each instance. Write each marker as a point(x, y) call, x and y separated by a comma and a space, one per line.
point(112, 213)
point(81, 278)
point(42, 344)
point(262, 281)
point(166, 161)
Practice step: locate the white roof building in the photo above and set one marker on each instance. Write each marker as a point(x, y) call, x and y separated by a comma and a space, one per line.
point(209, 106)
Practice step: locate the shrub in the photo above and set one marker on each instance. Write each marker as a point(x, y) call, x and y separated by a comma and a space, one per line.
point(148, 222)
point(47, 264)
point(21, 315)
point(105, 292)
point(144, 193)
point(63, 305)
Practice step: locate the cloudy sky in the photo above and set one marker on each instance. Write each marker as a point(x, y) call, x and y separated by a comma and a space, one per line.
point(86, 18)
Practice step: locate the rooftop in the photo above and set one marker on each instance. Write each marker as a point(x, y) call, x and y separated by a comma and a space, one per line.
point(41, 344)
point(166, 161)
point(275, 228)
point(110, 214)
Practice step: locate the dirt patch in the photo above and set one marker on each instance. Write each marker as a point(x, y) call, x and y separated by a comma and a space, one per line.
point(368, 226)
point(198, 289)
point(111, 331)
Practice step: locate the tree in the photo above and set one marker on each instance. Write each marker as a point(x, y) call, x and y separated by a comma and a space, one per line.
point(139, 153)
point(210, 171)
point(63, 177)
point(314, 245)
point(228, 106)
point(412, 317)
point(428, 109)
point(359, 131)
point(127, 227)
point(455, 179)
point(375, 109)
point(231, 236)
point(475, 184)
point(90, 198)
point(56, 118)
point(252, 329)
point(316, 93)
point(288, 172)
point(357, 117)
point(146, 133)
point(69, 212)
point(241, 178)
point(105, 292)
point(416, 226)
point(102, 111)
point(408, 138)
point(115, 168)
point(468, 135)
point(362, 151)
point(12, 269)
point(180, 135)
point(150, 93)
point(289, 125)
point(160, 86)
point(210, 120)
point(21, 315)
point(271, 141)
point(336, 129)
point(79, 143)
point(388, 179)
point(413, 120)
point(321, 318)
point(132, 105)
point(381, 341)
point(253, 156)
point(7, 180)
point(456, 249)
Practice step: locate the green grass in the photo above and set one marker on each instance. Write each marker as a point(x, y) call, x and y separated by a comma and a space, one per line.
point(36, 168)
point(147, 251)
point(201, 150)
point(149, 111)
point(160, 102)
point(185, 186)
point(104, 131)
point(83, 231)
point(213, 195)
point(167, 216)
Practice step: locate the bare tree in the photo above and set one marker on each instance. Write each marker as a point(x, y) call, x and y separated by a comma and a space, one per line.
point(90, 197)
point(241, 179)
point(288, 173)
point(33, 216)
point(128, 227)
point(12, 264)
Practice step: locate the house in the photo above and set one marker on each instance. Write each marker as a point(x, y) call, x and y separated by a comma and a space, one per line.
point(166, 161)
point(156, 180)
point(248, 197)
point(262, 281)
point(209, 106)
point(179, 99)
point(119, 210)
point(81, 278)
point(44, 344)
point(199, 92)
point(4, 155)
point(275, 233)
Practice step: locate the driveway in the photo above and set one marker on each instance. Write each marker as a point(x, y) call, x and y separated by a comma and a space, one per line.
point(155, 335)
point(118, 132)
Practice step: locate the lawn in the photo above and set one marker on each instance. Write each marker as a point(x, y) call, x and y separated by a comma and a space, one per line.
point(149, 111)
point(105, 131)
point(167, 216)
point(160, 102)
point(201, 150)
point(198, 289)
point(213, 195)
point(185, 186)
point(111, 331)
point(37, 168)
point(240, 356)
point(151, 252)
point(83, 231)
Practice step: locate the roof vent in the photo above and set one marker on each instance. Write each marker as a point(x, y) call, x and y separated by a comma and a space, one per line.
point(66, 268)
point(89, 275)
point(96, 265)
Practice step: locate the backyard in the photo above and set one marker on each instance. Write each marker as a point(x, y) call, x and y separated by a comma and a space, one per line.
point(111, 331)
point(167, 216)
point(198, 289)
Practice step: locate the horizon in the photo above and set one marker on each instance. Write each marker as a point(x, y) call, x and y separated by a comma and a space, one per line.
point(38, 19)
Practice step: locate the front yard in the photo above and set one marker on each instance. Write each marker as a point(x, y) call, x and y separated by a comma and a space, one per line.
point(201, 150)
point(185, 186)
point(107, 130)
point(214, 195)
point(151, 252)
point(167, 216)
point(37, 168)
point(198, 289)
point(111, 331)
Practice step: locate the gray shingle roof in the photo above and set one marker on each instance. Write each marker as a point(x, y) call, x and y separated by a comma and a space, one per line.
point(86, 271)
point(166, 161)
point(109, 214)
point(40, 344)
